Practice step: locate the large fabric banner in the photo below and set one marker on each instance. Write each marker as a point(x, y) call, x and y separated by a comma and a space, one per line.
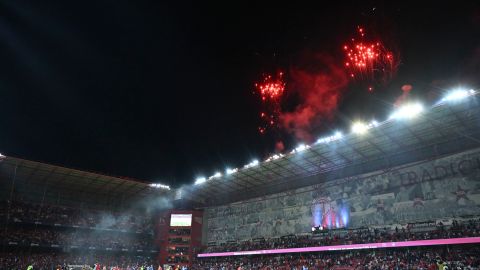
point(442, 188)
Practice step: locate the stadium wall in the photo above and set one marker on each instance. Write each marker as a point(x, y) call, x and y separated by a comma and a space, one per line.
point(445, 187)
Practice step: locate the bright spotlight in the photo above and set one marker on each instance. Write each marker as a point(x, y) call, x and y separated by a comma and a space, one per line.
point(359, 128)
point(302, 147)
point(200, 180)
point(231, 171)
point(156, 185)
point(407, 111)
point(217, 174)
point(336, 136)
point(252, 164)
point(274, 157)
point(313, 229)
point(457, 94)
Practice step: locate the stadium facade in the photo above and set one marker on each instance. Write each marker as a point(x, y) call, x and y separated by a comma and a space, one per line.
point(398, 171)
point(408, 170)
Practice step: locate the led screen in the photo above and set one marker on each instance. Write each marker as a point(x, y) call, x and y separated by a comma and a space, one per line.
point(181, 220)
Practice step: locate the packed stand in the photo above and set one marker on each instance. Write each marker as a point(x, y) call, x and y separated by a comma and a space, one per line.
point(84, 238)
point(470, 228)
point(25, 212)
point(48, 261)
point(431, 258)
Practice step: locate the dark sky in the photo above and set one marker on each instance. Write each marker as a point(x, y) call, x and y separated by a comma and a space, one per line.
point(163, 91)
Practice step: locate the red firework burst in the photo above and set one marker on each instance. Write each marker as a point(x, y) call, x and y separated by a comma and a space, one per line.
point(368, 60)
point(271, 90)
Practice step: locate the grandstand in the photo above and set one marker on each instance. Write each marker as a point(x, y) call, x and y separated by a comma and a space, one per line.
point(402, 193)
point(418, 174)
point(442, 130)
point(53, 216)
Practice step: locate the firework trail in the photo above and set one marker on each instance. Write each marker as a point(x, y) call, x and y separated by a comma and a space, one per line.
point(271, 91)
point(369, 61)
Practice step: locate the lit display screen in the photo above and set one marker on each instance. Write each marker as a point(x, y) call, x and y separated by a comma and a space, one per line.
point(181, 220)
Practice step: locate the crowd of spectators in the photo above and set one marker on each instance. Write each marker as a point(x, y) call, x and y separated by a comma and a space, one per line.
point(52, 261)
point(463, 257)
point(83, 238)
point(26, 212)
point(111, 239)
point(470, 228)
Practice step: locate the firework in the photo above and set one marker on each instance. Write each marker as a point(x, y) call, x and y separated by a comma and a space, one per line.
point(368, 60)
point(271, 90)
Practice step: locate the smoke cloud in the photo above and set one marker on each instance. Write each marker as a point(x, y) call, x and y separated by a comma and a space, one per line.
point(319, 83)
point(404, 97)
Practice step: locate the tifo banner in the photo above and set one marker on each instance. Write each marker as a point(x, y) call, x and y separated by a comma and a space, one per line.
point(451, 241)
point(447, 187)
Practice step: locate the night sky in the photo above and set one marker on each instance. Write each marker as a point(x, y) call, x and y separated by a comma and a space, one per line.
point(162, 92)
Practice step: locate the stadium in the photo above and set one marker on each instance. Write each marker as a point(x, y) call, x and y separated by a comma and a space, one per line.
point(402, 192)
point(224, 135)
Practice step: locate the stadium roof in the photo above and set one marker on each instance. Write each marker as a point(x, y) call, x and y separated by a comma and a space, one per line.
point(444, 129)
point(44, 182)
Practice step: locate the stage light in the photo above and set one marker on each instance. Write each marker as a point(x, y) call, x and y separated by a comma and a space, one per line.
point(457, 94)
point(359, 128)
point(217, 174)
point(407, 111)
point(313, 229)
point(200, 180)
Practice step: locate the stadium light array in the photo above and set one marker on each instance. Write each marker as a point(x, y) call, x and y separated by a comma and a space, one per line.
point(302, 147)
point(373, 123)
point(160, 186)
point(274, 157)
point(407, 111)
point(254, 163)
point(231, 171)
point(457, 94)
point(337, 136)
point(216, 175)
point(200, 180)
